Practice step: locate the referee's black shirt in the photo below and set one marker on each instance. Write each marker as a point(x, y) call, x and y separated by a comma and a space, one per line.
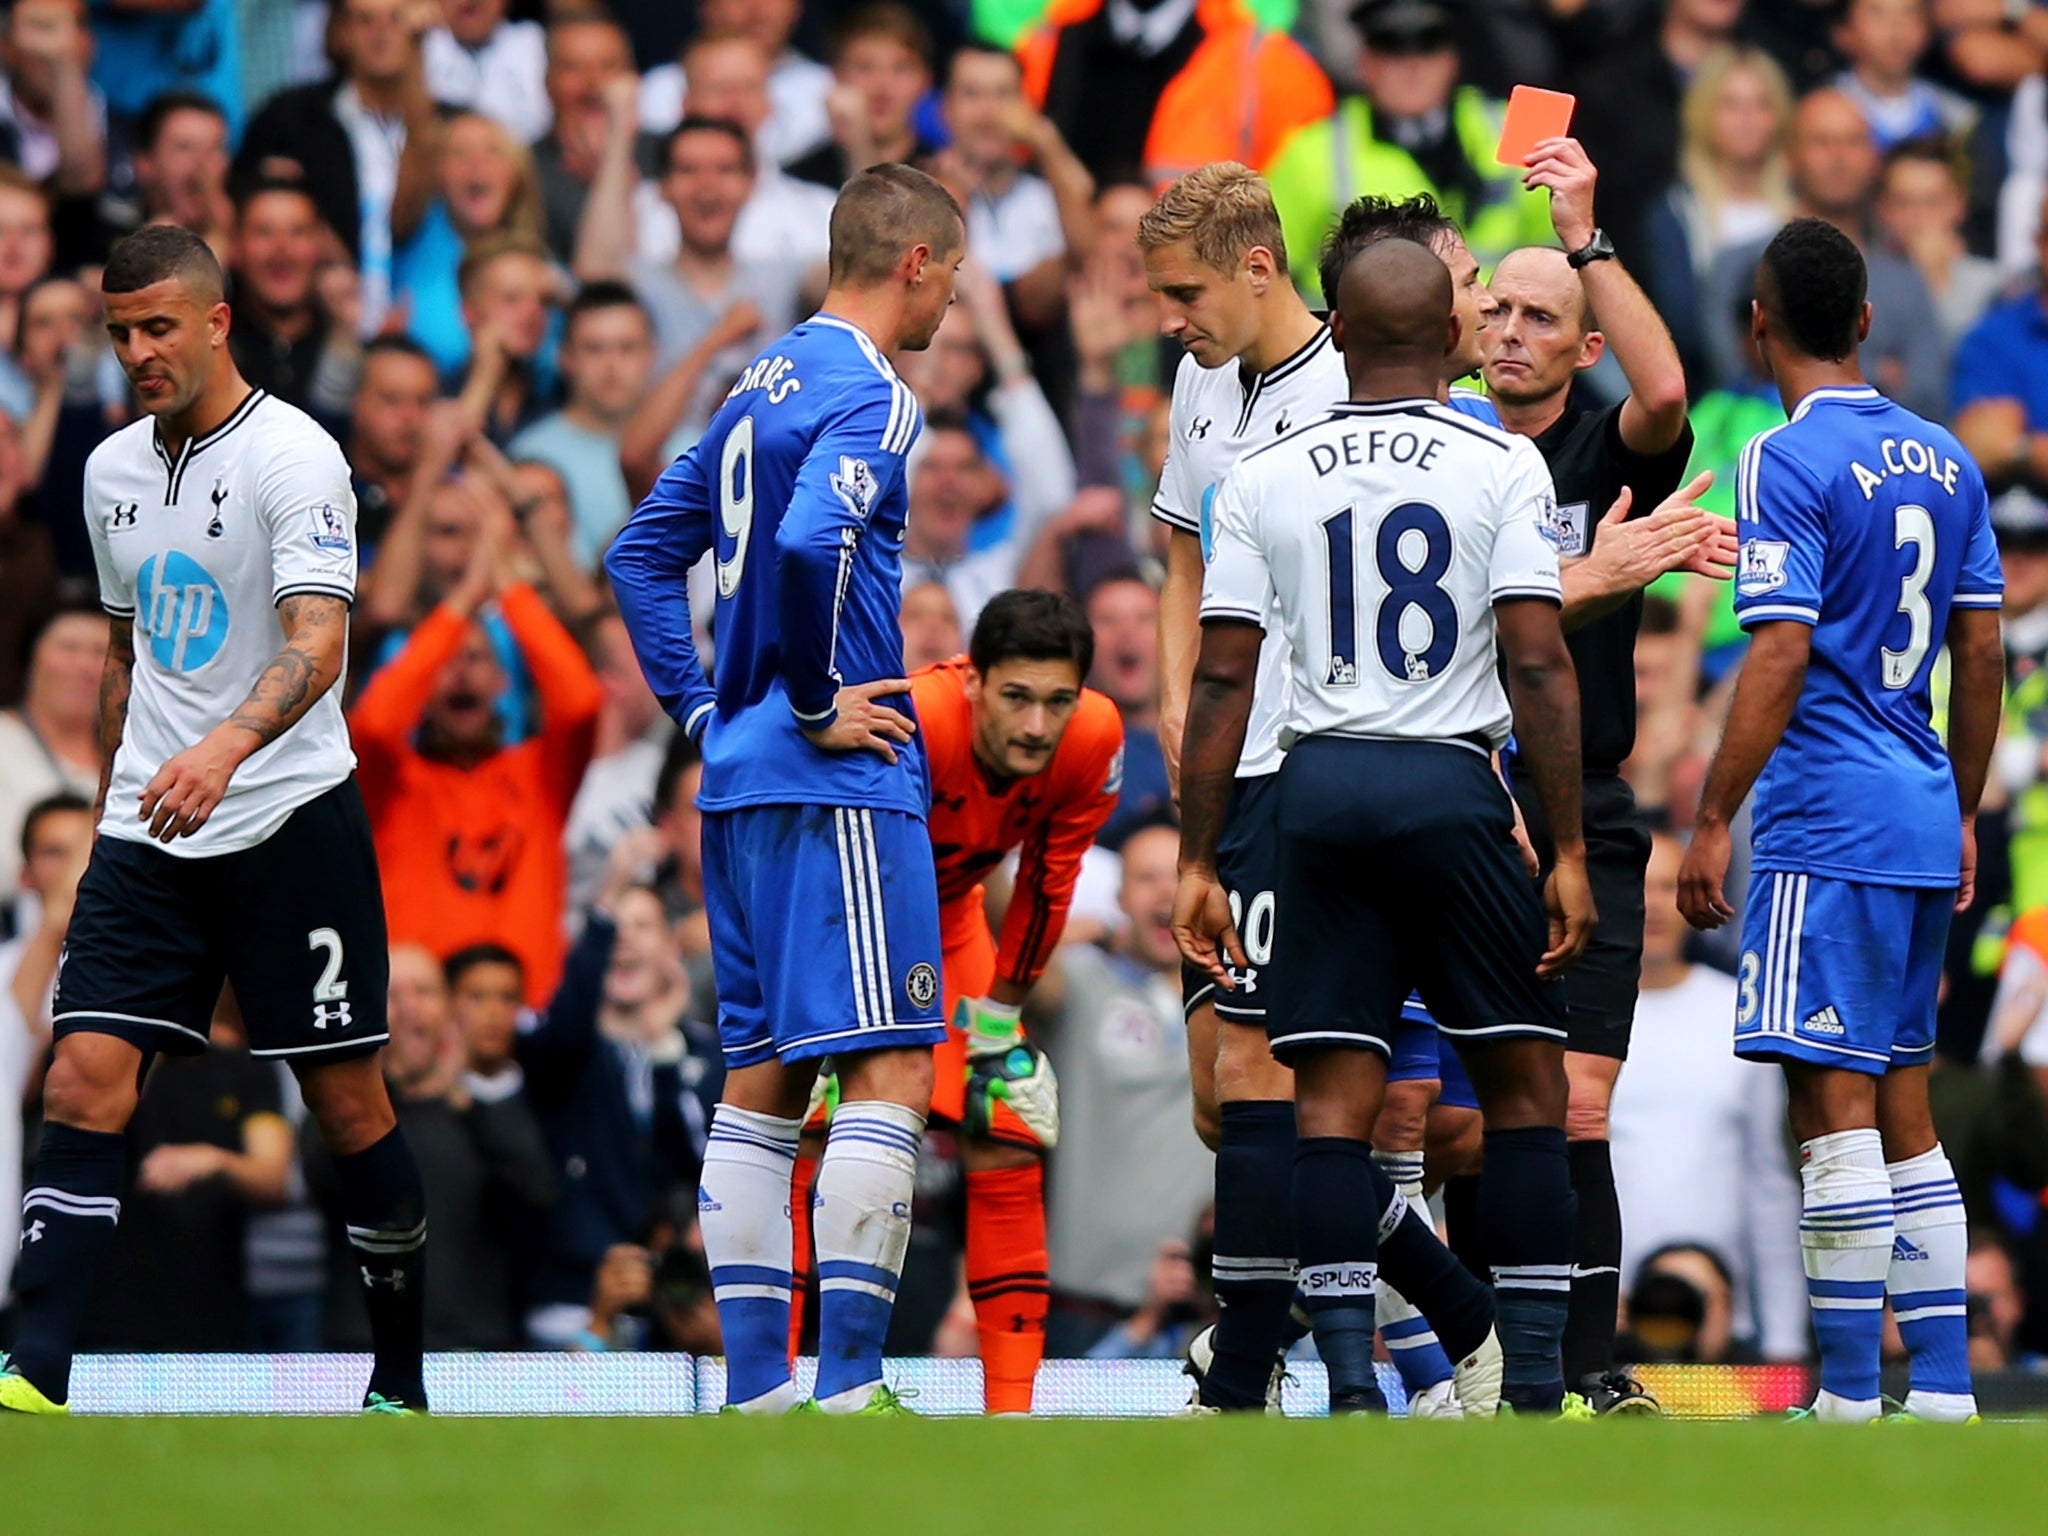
point(1590, 464)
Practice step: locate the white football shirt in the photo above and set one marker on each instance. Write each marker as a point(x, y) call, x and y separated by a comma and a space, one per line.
point(1385, 533)
point(1218, 415)
point(199, 551)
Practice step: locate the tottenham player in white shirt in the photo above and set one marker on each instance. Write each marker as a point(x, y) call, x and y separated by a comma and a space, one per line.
point(232, 843)
point(1258, 364)
point(1396, 543)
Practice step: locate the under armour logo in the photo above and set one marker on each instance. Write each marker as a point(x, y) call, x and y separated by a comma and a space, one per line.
point(34, 1234)
point(395, 1281)
point(336, 1014)
point(124, 513)
point(1247, 979)
point(1199, 427)
point(219, 495)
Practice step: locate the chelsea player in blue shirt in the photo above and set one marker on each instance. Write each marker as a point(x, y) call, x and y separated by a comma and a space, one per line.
point(818, 878)
point(1866, 545)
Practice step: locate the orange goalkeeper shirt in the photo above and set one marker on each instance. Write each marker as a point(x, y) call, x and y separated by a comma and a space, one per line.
point(976, 818)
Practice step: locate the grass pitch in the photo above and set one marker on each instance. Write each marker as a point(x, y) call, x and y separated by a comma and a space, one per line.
point(282, 1477)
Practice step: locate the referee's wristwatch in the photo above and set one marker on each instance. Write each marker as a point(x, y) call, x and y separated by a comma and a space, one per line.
point(1599, 248)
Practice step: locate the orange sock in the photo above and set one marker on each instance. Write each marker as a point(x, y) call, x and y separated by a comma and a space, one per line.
point(1006, 1276)
point(803, 1280)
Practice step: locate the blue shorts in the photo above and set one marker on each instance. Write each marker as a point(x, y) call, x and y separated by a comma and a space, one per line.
point(824, 931)
point(1837, 973)
point(1420, 1054)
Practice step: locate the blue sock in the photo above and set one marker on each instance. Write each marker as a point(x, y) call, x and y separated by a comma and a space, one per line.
point(743, 1212)
point(67, 1220)
point(1527, 1207)
point(861, 1221)
point(1336, 1225)
point(1930, 1251)
point(1254, 1265)
point(1411, 1342)
point(384, 1206)
point(1845, 1240)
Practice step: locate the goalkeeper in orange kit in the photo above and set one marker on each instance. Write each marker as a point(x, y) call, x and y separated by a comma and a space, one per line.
point(1023, 758)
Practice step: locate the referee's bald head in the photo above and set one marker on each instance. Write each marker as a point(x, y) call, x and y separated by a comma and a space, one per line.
point(1394, 310)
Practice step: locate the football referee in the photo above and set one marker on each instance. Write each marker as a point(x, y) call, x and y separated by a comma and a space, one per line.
point(1558, 312)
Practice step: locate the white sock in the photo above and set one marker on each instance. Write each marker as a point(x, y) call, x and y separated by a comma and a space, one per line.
point(861, 1224)
point(1927, 1286)
point(1411, 1343)
point(743, 1210)
point(1845, 1240)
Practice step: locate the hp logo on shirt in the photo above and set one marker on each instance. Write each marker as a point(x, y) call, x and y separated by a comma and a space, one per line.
point(182, 610)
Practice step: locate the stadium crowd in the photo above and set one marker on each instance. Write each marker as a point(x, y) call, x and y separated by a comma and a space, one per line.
point(512, 254)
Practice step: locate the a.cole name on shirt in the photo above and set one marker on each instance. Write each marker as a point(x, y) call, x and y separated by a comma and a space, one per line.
point(1906, 456)
point(1373, 446)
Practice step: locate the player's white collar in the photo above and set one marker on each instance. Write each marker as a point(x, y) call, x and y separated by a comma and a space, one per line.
point(1832, 392)
point(867, 342)
point(174, 469)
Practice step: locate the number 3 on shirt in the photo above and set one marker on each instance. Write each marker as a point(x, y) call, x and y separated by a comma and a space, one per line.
point(736, 501)
point(1912, 525)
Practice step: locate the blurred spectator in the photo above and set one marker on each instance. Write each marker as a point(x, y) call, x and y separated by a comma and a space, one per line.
point(677, 876)
point(586, 55)
point(486, 1169)
point(509, 292)
point(784, 220)
point(1413, 129)
point(145, 48)
point(1124, 612)
point(481, 59)
point(284, 1251)
point(1921, 204)
point(1699, 1143)
point(1129, 1173)
point(682, 398)
point(606, 358)
point(468, 829)
point(282, 339)
point(657, 1296)
point(25, 249)
point(1883, 41)
point(53, 119)
point(181, 170)
point(1629, 110)
point(55, 840)
point(622, 1091)
point(208, 1142)
point(362, 140)
point(1681, 1309)
point(882, 61)
point(796, 122)
point(617, 793)
point(386, 431)
point(61, 352)
point(951, 484)
point(707, 179)
point(1180, 1301)
point(52, 741)
point(1020, 225)
point(484, 184)
point(1834, 177)
point(1163, 86)
point(931, 626)
point(1733, 186)
point(1997, 1305)
point(2001, 389)
point(28, 570)
point(976, 367)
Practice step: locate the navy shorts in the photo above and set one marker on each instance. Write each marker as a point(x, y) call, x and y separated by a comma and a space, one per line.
point(1837, 973)
point(824, 931)
point(1399, 872)
point(1246, 863)
point(296, 923)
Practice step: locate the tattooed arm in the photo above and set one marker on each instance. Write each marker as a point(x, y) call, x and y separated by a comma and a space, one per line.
point(187, 789)
point(117, 677)
point(1544, 689)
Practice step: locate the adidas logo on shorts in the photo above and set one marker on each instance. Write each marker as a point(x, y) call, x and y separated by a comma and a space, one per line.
point(1825, 1022)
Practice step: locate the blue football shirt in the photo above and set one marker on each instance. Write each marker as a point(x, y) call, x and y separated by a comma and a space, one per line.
point(797, 490)
point(1870, 524)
